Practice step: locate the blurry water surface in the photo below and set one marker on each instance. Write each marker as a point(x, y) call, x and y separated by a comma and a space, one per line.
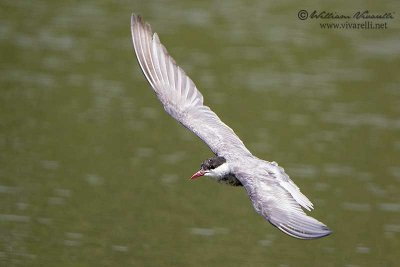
point(93, 172)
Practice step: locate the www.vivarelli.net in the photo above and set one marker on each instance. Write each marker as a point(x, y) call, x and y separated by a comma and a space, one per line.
point(358, 20)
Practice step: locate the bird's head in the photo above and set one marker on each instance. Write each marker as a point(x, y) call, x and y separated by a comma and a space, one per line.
point(215, 167)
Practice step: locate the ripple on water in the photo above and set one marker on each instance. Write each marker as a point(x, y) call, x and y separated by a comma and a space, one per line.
point(269, 239)
point(120, 248)
point(94, 179)
point(338, 169)
point(150, 113)
point(50, 164)
point(61, 192)
point(14, 218)
point(396, 144)
point(329, 249)
point(394, 171)
point(169, 178)
point(45, 221)
point(208, 231)
point(265, 242)
point(391, 228)
point(73, 235)
point(362, 207)
point(362, 250)
point(303, 170)
point(73, 239)
point(72, 243)
point(144, 152)
point(389, 207)
point(22, 205)
point(365, 119)
point(8, 189)
point(319, 186)
point(173, 157)
point(56, 201)
point(376, 190)
point(259, 147)
point(380, 47)
point(363, 177)
point(298, 119)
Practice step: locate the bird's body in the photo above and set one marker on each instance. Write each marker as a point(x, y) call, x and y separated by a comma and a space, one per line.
point(273, 194)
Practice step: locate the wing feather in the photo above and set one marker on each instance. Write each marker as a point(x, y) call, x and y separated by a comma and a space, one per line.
point(178, 93)
point(279, 200)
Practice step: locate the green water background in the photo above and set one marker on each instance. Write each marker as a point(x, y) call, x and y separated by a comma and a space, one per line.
point(93, 172)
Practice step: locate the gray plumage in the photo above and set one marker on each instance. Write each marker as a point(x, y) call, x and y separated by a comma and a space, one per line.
point(273, 194)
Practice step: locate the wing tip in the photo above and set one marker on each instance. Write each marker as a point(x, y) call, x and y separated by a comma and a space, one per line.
point(139, 21)
point(321, 230)
point(134, 19)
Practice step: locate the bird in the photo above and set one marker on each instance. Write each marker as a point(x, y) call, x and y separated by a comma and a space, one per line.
point(273, 194)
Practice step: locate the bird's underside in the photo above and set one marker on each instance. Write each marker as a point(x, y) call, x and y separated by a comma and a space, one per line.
point(273, 194)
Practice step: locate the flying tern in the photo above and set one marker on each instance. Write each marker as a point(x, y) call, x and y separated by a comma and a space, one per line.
point(273, 194)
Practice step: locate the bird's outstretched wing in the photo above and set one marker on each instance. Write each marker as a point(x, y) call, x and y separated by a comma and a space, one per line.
point(178, 93)
point(277, 198)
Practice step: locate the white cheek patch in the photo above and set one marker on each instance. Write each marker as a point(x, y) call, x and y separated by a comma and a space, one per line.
point(221, 170)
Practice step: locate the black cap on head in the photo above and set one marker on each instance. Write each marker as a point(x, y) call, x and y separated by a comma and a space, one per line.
point(213, 163)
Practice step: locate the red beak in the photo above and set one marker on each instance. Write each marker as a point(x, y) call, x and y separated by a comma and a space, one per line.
point(197, 174)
